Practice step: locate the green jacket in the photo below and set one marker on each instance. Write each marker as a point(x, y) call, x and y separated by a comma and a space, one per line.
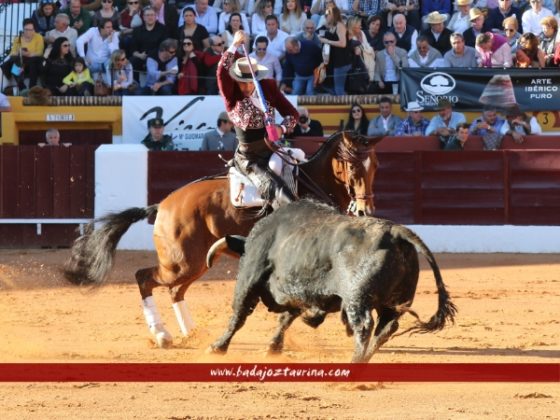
point(166, 143)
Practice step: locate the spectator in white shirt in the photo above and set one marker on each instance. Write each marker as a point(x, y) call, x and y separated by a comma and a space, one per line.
point(276, 37)
point(101, 42)
point(531, 19)
point(61, 29)
point(266, 59)
point(263, 8)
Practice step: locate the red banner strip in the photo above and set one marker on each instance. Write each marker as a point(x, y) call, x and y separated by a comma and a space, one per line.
point(279, 372)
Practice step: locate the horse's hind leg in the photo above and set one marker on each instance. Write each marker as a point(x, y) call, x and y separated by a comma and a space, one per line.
point(146, 283)
point(285, 320)
point(182, 313)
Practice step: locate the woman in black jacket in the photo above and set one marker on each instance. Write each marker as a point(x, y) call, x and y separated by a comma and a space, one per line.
point(57, 66)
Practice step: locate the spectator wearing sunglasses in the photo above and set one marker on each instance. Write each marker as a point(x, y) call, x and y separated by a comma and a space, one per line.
point(210, 59)
point(389, 62)
point(187, 79)
point(357, 120)
point(162, 69)
point(267, 60)
point(505, 9)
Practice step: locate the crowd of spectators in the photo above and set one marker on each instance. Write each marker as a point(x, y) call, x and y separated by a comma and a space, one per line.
point(160, 48)
point(449, 126)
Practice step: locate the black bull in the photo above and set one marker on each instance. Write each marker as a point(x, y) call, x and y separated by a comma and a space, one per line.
point(306, 258)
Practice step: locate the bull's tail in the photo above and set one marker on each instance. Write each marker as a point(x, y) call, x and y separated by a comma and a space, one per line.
point(446, 309)
point(232, 245)
point(93, 252)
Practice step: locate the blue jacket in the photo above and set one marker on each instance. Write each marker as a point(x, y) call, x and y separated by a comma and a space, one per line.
point(304, 62)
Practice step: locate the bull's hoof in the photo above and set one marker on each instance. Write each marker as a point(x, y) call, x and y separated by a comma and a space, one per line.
point(274, 349)
point(213, 349)
point(162, 337)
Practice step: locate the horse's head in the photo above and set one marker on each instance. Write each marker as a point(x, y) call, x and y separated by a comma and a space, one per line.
point(357, 163)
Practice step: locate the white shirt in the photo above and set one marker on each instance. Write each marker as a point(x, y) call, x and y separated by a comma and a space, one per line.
point(531, 21)
point(99, 49)
point(272, 63)
point(223, 21)
point(277, 45)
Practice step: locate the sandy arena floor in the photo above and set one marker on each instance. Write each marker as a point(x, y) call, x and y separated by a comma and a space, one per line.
point(508, 312)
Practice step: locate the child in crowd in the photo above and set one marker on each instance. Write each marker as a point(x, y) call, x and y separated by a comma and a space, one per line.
point(79, 81)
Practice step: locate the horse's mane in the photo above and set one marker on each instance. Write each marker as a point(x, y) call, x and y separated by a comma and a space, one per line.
point(345, 153)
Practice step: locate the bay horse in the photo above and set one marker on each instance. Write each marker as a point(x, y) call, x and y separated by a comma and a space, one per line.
point(190, 219)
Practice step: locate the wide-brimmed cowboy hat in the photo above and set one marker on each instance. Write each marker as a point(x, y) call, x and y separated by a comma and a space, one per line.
point(413, 106)
point(435, 17)
point(474, 13)
point(464, 2)
point(241, 71)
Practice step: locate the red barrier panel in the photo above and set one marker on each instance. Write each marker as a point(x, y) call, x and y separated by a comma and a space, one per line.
point(39, 184)
point(423, 187)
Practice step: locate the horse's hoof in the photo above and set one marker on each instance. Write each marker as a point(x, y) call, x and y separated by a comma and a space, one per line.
point(162, 337)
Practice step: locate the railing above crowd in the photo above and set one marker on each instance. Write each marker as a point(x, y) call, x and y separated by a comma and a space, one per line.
point(310, 47)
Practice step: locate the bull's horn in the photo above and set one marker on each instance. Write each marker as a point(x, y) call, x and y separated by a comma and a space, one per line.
point(219, 246)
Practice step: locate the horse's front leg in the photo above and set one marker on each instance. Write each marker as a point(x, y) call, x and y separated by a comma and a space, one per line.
point(146, 284)
point(180, 308)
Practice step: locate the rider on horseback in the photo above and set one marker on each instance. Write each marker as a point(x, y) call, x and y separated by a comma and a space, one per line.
point(240, 96)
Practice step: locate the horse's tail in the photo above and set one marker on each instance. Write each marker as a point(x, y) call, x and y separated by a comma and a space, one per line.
point(232, 245)
point(446, 309)
point(93, 252)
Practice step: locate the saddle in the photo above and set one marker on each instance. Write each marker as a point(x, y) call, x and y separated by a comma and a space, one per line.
point(244, 193)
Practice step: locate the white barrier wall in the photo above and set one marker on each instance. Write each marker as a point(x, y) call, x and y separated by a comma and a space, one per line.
point(121, 177)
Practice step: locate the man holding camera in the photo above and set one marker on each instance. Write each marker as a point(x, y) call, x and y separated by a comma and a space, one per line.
point(306, 127)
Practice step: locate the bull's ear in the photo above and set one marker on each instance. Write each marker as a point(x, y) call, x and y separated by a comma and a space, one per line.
point(236, 243)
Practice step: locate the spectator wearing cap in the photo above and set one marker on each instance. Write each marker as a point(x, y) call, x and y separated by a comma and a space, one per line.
point(460, 21)
point(521, 125)
point(306, 127)
point(447, 120)
point(385, 123)
point(460, 55)
point(493, 50)
point(437, 34)
point(478, 26)
point(457, 140)
point(505, 9)
point(221, 138)
point(416, 124)
point(156, 139)
point(442, 7)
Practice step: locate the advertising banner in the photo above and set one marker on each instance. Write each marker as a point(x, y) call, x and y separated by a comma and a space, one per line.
point(186, 118)
point(472, 89)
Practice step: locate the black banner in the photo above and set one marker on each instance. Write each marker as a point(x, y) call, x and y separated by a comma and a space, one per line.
point(472, 89)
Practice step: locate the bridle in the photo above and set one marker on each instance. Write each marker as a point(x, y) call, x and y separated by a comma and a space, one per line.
point(351, 157)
